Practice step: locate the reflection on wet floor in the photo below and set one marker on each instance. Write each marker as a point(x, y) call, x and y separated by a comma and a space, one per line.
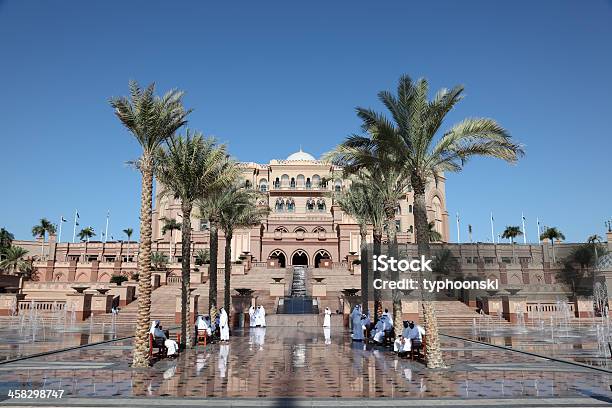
point(306, 362)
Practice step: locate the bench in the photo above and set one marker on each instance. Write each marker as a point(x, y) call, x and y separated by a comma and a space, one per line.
point(158, 343)
point(201, 336)
point(418, 346)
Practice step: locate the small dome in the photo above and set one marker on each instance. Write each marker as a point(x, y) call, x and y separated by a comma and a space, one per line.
point(300, 156)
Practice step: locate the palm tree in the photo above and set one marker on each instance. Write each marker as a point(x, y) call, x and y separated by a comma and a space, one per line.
point(128, 232)
point(13, 259)
point(187, 169)
point(408, 141)
point(366, 207)
point(202, 256)
point(86, 233)
point(159, 261)
point(552, 233)
point(432, 233)
point(238, 210)
point(170, 224)
point(152, 120)
point(45, 226)
point(595, 240)
point(511, 232)
point(6, 240)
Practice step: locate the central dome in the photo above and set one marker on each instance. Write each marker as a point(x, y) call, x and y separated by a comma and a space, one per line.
point(300, 156)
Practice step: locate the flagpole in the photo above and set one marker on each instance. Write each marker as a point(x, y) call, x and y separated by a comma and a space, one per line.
point(492, 229)
point(538, 222)
point(524, 230)
point(59, 237)
point(76, 214)
point(458, 236)
point(106, 230)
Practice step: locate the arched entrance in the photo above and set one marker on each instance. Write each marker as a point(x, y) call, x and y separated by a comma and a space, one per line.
point(280, 255)
point(321, 254)
point(299, 257)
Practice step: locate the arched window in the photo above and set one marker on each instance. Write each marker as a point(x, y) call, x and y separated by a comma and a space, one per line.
point(290, 205)
point(300, 180)
point(338, 185)
point(398, 210)
point(310, 204)
point(277, 183)
point(247, 184)
point(284, 180)
point(280, 205)
point(308, 183)
point(263, 185)
point(299, 229)
point(316, 181)
point(410, 208)
point(292, 184)
point(281, 229)
point(318, 229)
point(321, 204)
point(437, 208)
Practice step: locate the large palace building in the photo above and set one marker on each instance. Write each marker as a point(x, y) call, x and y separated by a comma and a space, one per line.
point(304, 225)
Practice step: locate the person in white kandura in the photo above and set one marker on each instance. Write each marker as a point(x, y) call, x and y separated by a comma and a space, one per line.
point(415, 333)
point(202, 324)
point(251, 316)
point(156, 331)
point(389, 319)
point(378, 334)
point(356, 312)
point(224, 325)
point(401, 345)
point(327, 318)
point(260, 316)
point(358, 327)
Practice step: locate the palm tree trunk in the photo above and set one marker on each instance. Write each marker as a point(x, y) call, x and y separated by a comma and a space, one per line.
point(140, 356)
point(434, 354)
point(228, 272)
point(212, 270)
point(377, 244)
point(186, 277)
point(394, 252)
point(363, 231)
point(513, 260)
point(552, 247)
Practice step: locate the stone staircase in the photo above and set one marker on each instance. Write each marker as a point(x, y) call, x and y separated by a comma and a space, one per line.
point(163, 304)
point(453, 313)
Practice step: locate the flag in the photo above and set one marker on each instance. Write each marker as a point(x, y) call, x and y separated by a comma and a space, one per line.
point(492, 219)
point(77, 215)
point(77, 224)
point(524, 219)
point(63, 219)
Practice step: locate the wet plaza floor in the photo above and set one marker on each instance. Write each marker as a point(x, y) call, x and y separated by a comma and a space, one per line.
point(304, 362)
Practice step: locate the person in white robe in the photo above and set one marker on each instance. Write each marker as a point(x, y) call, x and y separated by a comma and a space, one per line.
point(203, 325)
point(415, 333)
point(171, 345)
point(224, 325)
point(378, 334)
point(260, 319)
point(251, 316)
point(327, 334)
point(327, 318)
point(356, 312)
point(357, 328)
point(401, 345)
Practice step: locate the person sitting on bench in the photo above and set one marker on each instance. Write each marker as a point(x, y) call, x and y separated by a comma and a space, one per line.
point(158, 333)
point(415, 333)
point(401, 346)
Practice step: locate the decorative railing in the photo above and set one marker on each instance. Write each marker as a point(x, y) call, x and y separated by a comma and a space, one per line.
point(547, 309)
point(42, 305)
point(175, 280)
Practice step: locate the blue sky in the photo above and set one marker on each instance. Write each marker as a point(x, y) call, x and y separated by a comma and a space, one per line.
point(267, 77)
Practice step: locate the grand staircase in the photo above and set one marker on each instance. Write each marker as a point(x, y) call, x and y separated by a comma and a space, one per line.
point(163, 304)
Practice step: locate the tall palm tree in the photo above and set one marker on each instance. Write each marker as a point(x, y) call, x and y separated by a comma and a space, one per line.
point(128, 232)
point(86, 233)
point(595, 240)
point(187, 169)
point(6, 240)
point(238, 210)
point(552, 233)
point(41, 230)
point(366, 207)
point(170, 224)
point(152, 120)
point(409, 141)
point(13, 259)
point(511, 232)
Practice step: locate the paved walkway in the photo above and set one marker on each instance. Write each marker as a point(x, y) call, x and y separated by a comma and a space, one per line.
point(264, 366)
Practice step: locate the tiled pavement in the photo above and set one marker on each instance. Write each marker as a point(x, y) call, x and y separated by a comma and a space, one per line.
point(289, 362)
